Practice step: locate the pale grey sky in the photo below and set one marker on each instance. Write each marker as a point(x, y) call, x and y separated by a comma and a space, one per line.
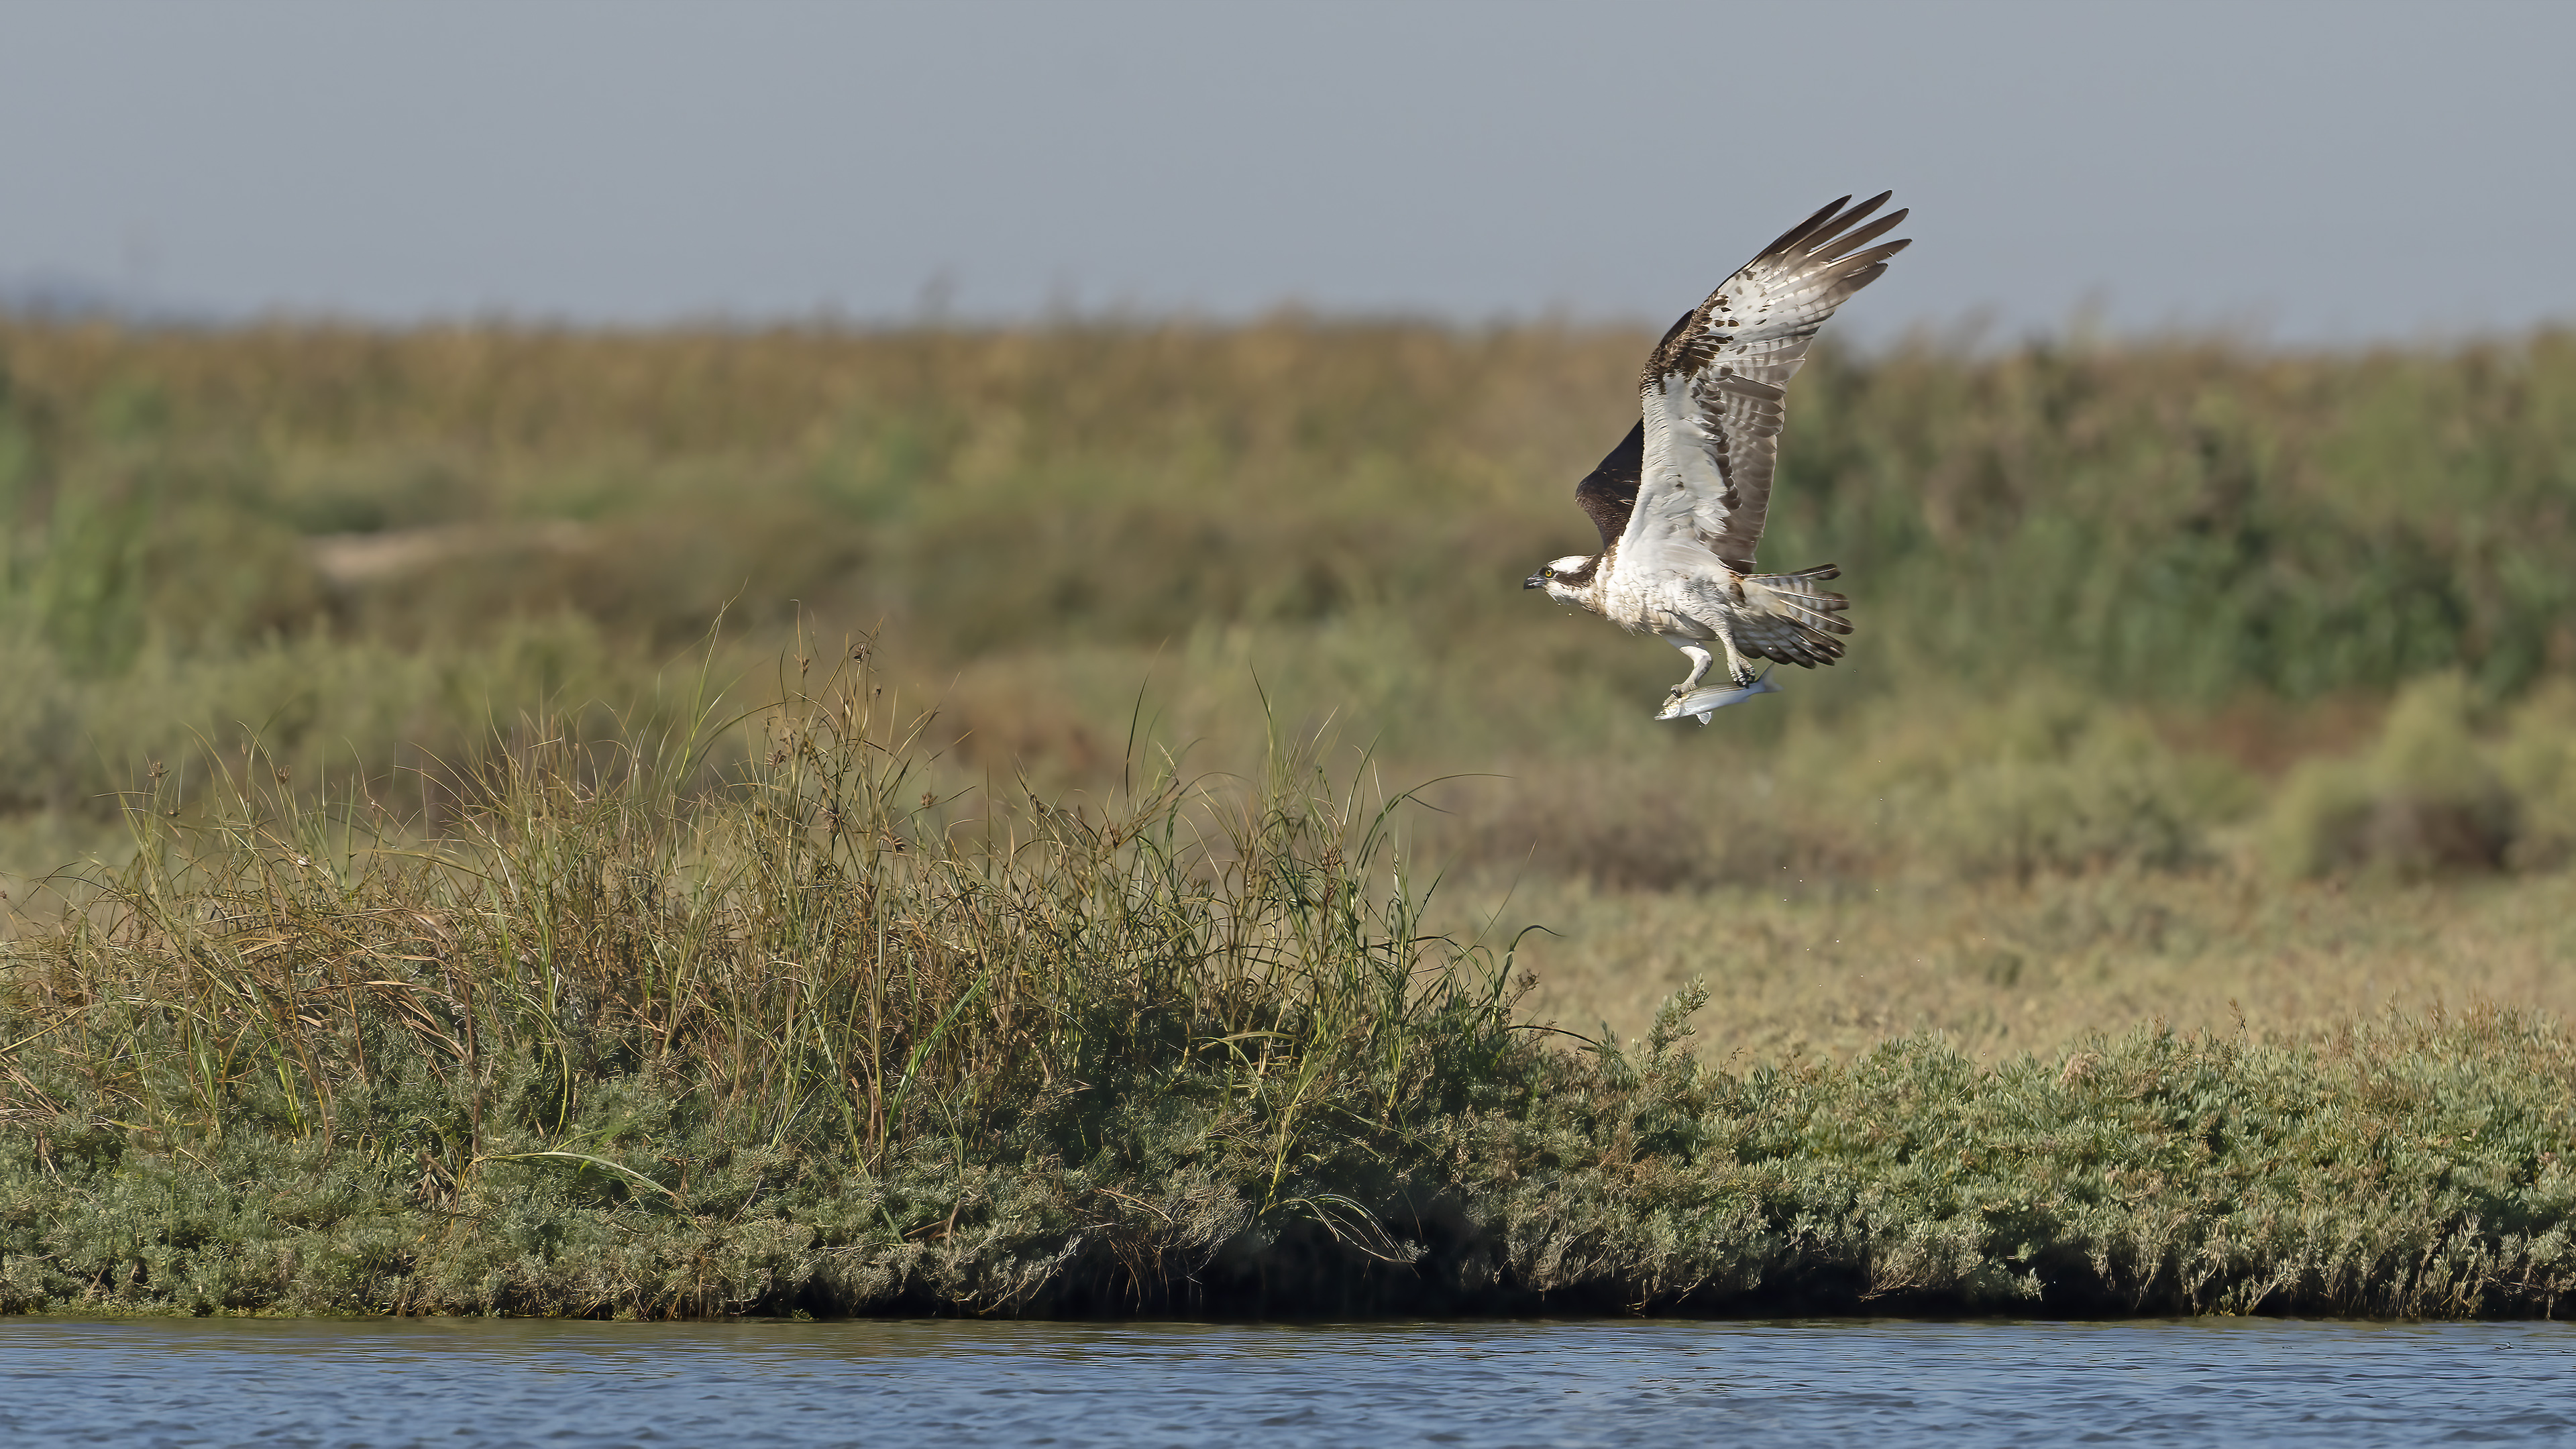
point(2309, 172)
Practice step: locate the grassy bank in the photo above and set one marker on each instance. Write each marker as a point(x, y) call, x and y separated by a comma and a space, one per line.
point(812, 1039)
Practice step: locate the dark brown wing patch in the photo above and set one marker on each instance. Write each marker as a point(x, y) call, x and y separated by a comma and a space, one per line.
point(1684, 349)
point(1609, 493)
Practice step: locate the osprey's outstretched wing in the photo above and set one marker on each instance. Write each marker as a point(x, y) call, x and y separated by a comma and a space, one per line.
point(1712, 390)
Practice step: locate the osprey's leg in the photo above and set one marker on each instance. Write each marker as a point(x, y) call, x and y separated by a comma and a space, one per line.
point(1740, 667)
point(1700, 658)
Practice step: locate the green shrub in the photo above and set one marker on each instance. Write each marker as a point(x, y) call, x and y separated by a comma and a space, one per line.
point(2430, 797)
point(2047, 779)
point(2537, 767)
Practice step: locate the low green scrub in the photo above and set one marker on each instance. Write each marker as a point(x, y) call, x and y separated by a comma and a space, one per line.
point(618, 1043)
point(2434, 793)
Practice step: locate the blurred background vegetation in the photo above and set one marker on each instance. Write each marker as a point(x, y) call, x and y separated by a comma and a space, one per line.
point(2192, 679)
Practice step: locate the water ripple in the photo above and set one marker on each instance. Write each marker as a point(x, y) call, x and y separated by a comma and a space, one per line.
point(469, 1384)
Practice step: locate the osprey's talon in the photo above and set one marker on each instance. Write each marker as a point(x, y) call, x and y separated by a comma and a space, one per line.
point(1744, 676)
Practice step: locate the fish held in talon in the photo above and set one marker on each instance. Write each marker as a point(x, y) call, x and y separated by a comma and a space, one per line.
point(1705, 703)
point(1680, 502)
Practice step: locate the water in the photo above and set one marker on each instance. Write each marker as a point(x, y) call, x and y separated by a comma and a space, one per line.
point(476, 1383)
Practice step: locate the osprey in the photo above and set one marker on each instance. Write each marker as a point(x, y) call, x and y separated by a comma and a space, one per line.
point(1680, 501)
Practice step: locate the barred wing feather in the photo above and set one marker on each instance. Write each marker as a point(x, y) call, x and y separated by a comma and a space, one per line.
point(1713, 389)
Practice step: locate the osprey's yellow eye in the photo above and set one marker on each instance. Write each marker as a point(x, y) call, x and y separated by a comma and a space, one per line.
point(1547, 573)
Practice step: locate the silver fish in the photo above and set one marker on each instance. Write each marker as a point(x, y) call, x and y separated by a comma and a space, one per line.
point(1707, 702)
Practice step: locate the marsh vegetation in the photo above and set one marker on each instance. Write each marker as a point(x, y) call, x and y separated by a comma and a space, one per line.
point(1089, 867)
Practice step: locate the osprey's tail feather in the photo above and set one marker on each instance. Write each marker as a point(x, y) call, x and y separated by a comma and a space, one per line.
point(1786, 617)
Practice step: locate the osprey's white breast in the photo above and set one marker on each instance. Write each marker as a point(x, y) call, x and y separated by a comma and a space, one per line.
point(1667, 602)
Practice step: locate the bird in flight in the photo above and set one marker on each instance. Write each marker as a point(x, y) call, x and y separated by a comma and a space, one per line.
point(1680, 501)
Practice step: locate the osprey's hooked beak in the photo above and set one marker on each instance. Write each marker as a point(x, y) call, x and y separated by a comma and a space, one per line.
point(1535, 581)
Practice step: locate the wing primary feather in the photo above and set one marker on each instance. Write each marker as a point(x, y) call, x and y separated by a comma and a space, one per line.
point(1864, 209)
point(1845, 245)
point(1816, 231)
point(1799, 232)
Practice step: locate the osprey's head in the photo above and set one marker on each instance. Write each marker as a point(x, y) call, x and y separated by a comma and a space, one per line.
point(1568, 580)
